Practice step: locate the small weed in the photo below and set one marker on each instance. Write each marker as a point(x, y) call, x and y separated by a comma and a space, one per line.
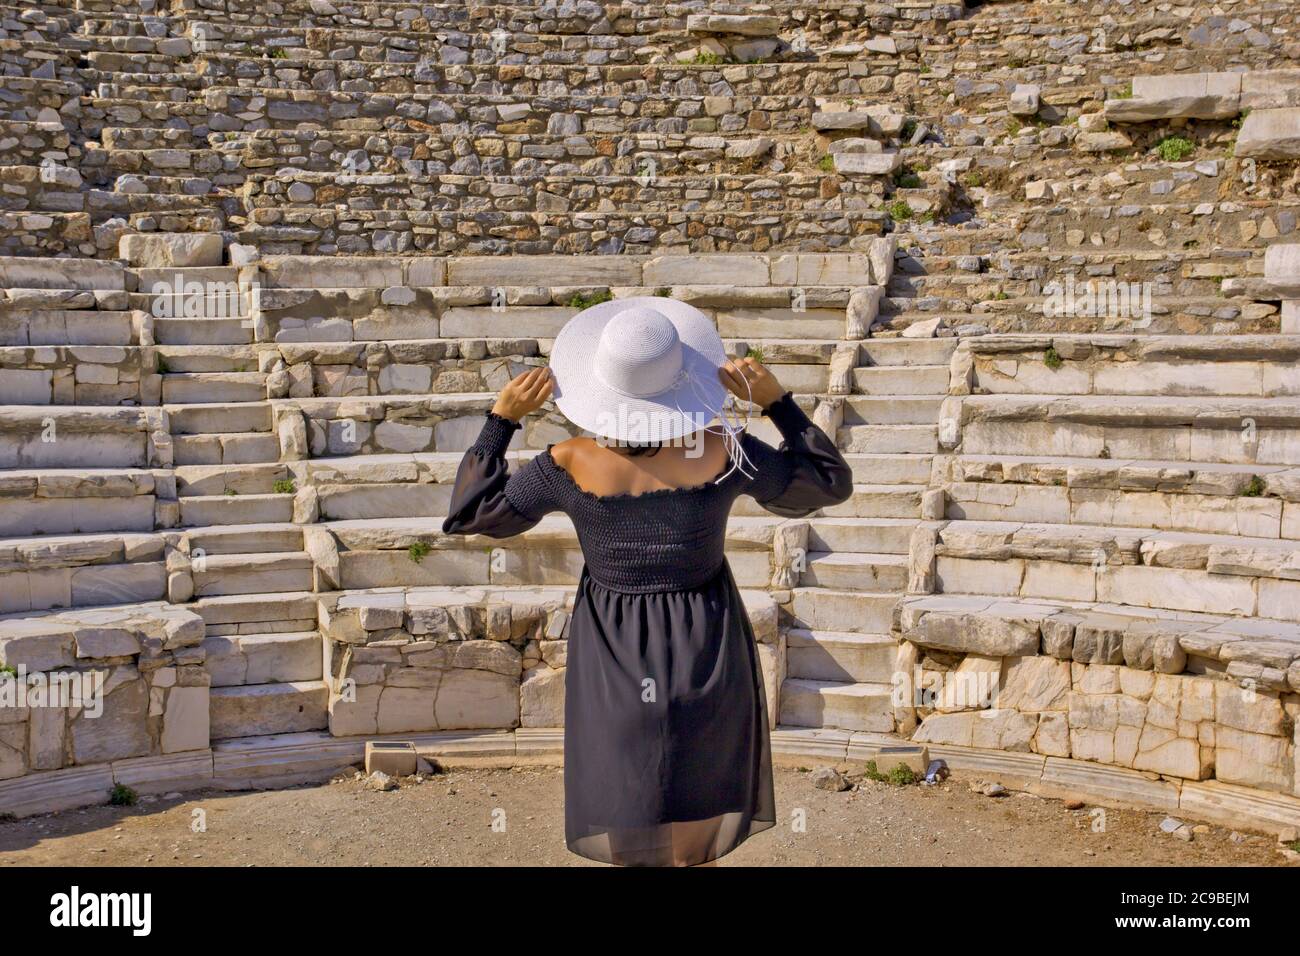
point(580, 301)
point(1052, 358)
point(1001, 295)
point(755, 352)
point(1293, 846)
point(418, 551)
point(285, 486)
point(1014, 126)
point(906, 179)
point(278, 53)
point(123, 796)
point(925, 68)
point(908, 130)
point(231, 492)
point(664, 292)
point(974, 179)
point(160, 365)
point(1255, 488)
point(1241, 118)
point(899, 210)
point(1125, 92)
point(1174, 149)
point(826, 164)
point(900, 776)
point(706, 58)
point(8, 670)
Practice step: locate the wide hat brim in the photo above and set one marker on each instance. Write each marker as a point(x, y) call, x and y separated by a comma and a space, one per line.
point(686, 407)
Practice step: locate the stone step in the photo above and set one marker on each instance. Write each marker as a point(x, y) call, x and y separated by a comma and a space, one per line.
point(890, 469)
point(841, 704)
point(879, 501)
point(211, 480)
point(901, 380)
point(259, 709)
point(234, 448)
point(1147, 427)
point(888, 439)
point(910, 352)
point(257, 613)
point(67, 327)
point(266, 572)
point(889, 536)
point(206, 419)
point(245, 539)
point(203, 331)
point(891, 410)
point(250, 659)
point(213, 387)
point(206, 358)
point(204, 510)
point(821, 609)
point(840, 656)
point(856, 571)
point(1260, 649)
point(1161, 570)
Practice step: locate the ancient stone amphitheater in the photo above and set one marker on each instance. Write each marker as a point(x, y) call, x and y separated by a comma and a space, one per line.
point(265, 263)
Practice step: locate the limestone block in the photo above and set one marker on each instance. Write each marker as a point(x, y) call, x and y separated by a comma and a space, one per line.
point(740, 24)
point(267, 709)
point(1025, 99)
point(977, 634)
point(13, 750)
point(541, 697)
point(1034, 684)
point(185, 720)
point(121, 730)
point(867, 164)
point(47, 737)
point(973, 685)
point(989, 729)
point(472, 699)
point(1053, 736)
point(168, 250)
point(1254, 760)
point(1194, 95)
point(1270, 134)
point(727, 270)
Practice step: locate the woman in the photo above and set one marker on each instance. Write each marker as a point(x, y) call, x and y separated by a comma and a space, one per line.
point(666, 751)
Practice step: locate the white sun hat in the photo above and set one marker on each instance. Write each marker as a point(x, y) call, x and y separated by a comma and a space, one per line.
point(643, 369)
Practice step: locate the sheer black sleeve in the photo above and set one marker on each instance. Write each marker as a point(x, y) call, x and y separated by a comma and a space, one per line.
point(806, 473)
point(486, 499)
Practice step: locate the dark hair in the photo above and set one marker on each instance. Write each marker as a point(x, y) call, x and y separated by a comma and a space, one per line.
point(636, 449)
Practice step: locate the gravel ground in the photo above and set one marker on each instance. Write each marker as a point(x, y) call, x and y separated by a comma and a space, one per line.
point(448, 820)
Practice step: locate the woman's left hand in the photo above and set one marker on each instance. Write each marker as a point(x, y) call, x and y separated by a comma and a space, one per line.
point(748, 379)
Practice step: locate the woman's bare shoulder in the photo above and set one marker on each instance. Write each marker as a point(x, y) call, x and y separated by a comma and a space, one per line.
point(565, 453)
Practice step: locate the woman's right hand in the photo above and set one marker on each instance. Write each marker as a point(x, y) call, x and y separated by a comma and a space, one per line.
point(524, 394)
point(750, 380)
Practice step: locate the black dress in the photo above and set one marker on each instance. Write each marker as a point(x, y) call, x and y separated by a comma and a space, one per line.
point(666, 749)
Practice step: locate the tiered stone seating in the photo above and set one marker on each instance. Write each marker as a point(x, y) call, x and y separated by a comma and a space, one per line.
point(302, 244)
point(1122, 503)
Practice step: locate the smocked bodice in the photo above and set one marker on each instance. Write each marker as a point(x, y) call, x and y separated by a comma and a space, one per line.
point(661, 540)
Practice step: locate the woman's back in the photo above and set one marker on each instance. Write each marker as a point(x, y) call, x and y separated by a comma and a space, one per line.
point(607, 471)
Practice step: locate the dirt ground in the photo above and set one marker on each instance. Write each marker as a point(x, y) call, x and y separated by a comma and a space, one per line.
point(448, 820)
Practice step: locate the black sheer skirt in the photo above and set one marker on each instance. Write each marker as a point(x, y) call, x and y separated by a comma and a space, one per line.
point(667, 759)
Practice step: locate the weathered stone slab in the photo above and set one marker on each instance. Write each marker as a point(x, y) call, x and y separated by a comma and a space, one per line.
point(165, 250)
point(1270, 134)
point(1195, 95)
